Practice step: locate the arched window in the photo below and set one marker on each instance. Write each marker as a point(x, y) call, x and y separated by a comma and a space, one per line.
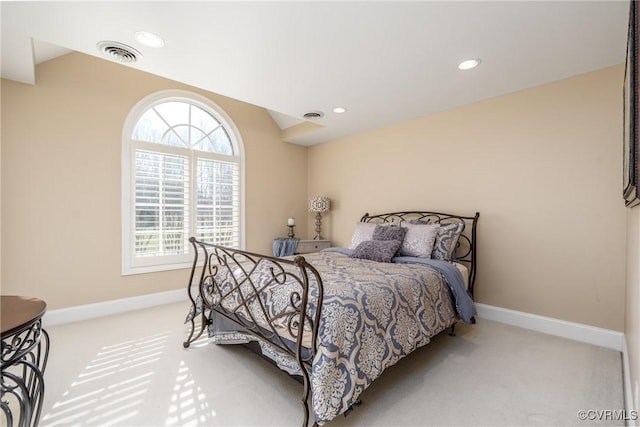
point(182, 176)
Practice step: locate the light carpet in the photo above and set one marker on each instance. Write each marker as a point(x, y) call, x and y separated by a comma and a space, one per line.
point(132, 370)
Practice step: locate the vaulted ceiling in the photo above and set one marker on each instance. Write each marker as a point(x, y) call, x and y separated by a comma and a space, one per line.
point(384, 61)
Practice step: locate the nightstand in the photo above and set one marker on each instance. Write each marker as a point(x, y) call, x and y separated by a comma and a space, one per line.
point(308, 246)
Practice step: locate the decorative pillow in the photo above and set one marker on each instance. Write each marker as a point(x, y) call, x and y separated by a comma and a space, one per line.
point(419, 240)
point(420, 221)
point(446, 241)
point(389, 232)
point(376, 250)
point(362, 232)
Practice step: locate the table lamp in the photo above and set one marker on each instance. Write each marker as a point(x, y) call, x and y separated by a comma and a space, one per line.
point(319, 205)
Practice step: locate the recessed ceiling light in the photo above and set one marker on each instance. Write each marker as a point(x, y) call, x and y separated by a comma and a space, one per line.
point(149, 39)
point(339, 110)
point(469, 64)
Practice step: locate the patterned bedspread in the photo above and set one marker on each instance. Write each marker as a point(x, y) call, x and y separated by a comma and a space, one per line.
point(373, 315)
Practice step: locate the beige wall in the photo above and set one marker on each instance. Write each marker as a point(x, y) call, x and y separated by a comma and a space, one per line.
point(543, 168)
point(632, 318)
point(541, 165)
point(61, 145)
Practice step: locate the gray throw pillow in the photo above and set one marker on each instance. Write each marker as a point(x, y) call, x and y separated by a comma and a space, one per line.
point(389, 232)
point(376, 250)
point(420, 221)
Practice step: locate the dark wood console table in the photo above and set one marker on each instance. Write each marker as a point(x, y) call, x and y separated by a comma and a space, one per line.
point(24, 353)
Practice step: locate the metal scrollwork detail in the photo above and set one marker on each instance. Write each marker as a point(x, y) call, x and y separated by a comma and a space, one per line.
point(466, 246)
point(23, 361)
point(243, 288)
point(16, 346)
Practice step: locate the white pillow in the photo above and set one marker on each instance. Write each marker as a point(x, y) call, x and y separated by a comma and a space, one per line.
point(419, 240)
point(362, 232)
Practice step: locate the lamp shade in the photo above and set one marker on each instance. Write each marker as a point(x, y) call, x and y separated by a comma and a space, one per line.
point(319, 204)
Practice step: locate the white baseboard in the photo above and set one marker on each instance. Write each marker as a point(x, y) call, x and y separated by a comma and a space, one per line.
point(106, 308)
point(575, 331)
point(626, 383)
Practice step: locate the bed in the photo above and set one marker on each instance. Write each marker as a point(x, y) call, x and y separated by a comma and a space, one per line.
point(338, 318)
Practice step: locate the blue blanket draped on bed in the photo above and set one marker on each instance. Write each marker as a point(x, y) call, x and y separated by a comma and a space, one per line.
point(453, 277)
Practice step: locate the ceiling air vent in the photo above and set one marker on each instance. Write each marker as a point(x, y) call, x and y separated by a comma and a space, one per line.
point(313, 115)
point(119, 52)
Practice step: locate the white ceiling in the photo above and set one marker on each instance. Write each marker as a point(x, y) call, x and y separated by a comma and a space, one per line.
point(385, 61)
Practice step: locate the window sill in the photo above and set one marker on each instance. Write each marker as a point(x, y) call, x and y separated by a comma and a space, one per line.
point(129, 271)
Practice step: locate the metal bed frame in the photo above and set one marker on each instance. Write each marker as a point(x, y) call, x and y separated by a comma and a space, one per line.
point(237, 297)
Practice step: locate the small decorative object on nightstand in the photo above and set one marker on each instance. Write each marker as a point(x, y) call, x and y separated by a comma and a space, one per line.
point(319, 205)
point(308, 246)
point(291, 222)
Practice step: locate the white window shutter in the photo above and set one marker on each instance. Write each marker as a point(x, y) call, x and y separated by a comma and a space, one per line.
point(182, 176)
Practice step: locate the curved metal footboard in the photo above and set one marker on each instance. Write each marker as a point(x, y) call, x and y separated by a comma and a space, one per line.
point(276, 300)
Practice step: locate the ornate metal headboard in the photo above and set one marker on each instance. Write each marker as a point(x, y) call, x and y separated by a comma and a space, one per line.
point(466, 247)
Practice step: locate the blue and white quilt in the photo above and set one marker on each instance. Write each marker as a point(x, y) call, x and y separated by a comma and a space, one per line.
point(373, 315)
